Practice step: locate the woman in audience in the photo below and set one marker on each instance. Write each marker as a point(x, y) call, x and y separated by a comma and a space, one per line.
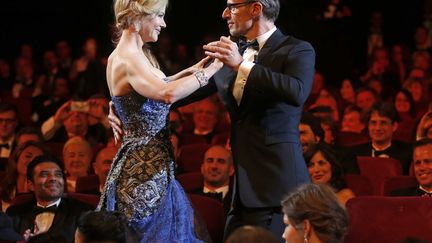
point(77, 157)
point(312, 214)
point(424, 128)
point(404, 104)
point(15, 181)
point(325, 168)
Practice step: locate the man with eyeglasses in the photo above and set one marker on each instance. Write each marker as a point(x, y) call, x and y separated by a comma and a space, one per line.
point(264, 83)
point(8, 124)
point(264, 89)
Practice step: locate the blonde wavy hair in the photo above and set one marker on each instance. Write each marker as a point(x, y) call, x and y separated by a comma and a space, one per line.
point(128, 11)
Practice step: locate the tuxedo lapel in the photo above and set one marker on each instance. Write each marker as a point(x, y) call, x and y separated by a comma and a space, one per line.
point(60, 216)
point(271, 44)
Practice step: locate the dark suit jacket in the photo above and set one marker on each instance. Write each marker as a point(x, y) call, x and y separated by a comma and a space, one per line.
point(408, 192)
point(264, 128)
point(64, 222)
point(398, 150)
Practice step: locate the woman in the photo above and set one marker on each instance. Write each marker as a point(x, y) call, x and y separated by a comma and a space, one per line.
point(324, 168)
point(141, 182)
point(404, 104)
point(312, 214)
point(15, 181)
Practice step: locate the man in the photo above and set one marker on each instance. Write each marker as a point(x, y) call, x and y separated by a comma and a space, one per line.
point(381, 125)
point(26, 134)
point(103, 163)
point(217, 168)
point(48, 212)
point(311, 131)
point(422, 161)
point(8, 124)
point(77, 157)
point(74, 120)
point(205, 117)
point(352, 120)
point(264, 91)
point(265, 99)
point(365, 99)
point(101, 226)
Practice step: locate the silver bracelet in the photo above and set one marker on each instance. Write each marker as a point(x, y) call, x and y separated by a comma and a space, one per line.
point(202, 78)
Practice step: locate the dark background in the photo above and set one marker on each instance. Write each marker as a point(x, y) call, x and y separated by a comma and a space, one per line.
point(43, 23)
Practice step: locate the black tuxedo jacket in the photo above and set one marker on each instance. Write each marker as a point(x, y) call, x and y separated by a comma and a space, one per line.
point(398, 150)
point(64, 222)
point(408, 192)
point(217, 196)
point(264, 128)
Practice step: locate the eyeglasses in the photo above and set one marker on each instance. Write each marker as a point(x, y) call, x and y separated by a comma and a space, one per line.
point(7, 120)
point(233, 6)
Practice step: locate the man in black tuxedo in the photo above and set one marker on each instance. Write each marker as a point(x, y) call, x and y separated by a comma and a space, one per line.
point(382, 123)
point(47, 213)
point(264, 84)
point(422, 161)
point(217, 168)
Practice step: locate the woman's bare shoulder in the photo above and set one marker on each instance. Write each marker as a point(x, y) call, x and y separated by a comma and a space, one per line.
point(117, 74)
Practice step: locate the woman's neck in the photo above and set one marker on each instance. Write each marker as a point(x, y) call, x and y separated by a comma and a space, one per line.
point(129, 36)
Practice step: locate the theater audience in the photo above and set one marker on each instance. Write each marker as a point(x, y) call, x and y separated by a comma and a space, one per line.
point(26, 134)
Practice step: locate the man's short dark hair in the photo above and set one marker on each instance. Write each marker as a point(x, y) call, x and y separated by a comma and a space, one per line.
point(5, 107)
point(102, 226)
point(314, 123)
point(422, 142)
point(39, 160)
point(386, 110)
point(30, 130)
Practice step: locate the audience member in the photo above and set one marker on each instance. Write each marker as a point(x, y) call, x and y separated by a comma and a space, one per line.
point(313, 214)
point(311, 131)
point(251, 234)
point(26, 134)
point(422, 164)
point(77, 156)
point(424, 128)
point(8, 125)
point(15, 181)
point(404, 105)
point(205, 117)
point(72, 119)
point(102, 164)
point(48, 211)
point(217, 168)
point(352, 120)
point(365, 99)
point(101, 226)
point(383, 121)
point(324, 168)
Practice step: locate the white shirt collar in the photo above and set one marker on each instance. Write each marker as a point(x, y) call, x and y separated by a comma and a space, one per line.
point(262, 39)
point(56, 203)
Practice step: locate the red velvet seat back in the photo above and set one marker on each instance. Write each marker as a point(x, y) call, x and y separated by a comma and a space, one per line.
point(389, 219)
point(398, 182)
point(376, 169)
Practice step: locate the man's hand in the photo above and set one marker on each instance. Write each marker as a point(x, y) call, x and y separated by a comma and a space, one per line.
point(226, 51)
point(115, 123)
point(63, 112)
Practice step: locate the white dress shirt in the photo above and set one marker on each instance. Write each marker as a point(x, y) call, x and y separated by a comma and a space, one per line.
point(43, 221)
point(247, 65)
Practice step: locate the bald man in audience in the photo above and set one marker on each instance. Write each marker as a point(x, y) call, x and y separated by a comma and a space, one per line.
point(217, 168)
point(102, 164)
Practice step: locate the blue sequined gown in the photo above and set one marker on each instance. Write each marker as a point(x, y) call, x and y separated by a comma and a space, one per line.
point(141, 181)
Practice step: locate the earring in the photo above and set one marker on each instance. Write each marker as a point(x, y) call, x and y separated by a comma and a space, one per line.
point(137, 26)
point(305, 239)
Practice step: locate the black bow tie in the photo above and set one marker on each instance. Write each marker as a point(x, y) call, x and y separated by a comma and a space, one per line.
point(4, 145)
point(38, 210)
point(243, 45)
point(215, 195)
point(378, 153)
